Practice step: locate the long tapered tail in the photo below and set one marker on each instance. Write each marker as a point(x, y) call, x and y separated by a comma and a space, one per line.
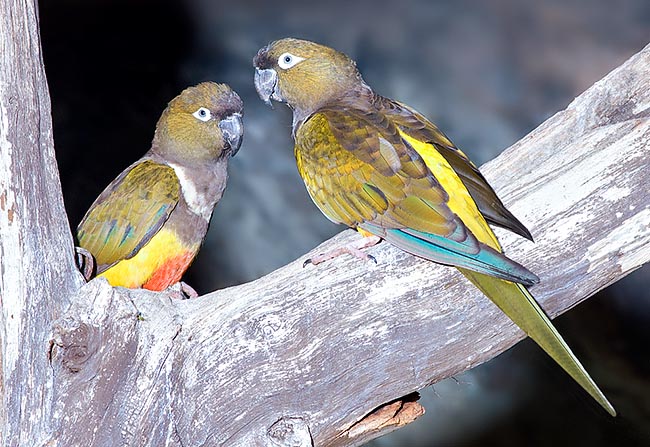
point(518, 304)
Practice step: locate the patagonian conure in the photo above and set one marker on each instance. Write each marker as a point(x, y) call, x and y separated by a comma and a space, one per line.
point(147, 226)
point(379, 166)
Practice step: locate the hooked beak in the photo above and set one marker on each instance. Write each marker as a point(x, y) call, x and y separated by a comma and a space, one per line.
point(266, 82)
point(233, 131)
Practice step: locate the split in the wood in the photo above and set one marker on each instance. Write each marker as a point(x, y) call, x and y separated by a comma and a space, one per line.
point(393, 415)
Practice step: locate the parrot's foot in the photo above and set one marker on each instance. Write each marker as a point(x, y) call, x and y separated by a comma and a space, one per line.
point(85, 262)
point(353, 249)
point(188, 290)
point(182, 291)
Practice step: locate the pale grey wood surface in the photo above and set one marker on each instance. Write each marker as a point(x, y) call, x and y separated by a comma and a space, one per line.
point(305, 353)
point(301, 355)
point(37, 271)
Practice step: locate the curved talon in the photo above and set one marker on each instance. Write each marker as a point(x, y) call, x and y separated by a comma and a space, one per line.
point(354, 249)
point(188, 290)
point(182, 291)
point(306, 263)
point(85, 262)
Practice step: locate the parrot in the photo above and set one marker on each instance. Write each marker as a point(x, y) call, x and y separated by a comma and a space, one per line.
point(146, 227)
point(380, 167)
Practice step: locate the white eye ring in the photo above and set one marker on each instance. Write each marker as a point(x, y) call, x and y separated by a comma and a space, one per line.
point(288, 60)
point(202, 114)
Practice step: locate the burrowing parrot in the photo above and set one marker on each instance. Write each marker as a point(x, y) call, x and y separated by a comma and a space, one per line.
point(147, 226)
point(379, 166)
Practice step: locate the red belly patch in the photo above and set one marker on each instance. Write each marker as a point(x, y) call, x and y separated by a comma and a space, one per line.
point(169, 273)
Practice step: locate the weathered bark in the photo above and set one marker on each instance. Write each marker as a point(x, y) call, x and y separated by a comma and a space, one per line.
point(302, 355)
point(37, 271)
point(305, 353)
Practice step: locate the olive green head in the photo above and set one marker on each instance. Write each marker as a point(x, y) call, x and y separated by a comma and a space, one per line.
point(203, 123)
point(304, 74)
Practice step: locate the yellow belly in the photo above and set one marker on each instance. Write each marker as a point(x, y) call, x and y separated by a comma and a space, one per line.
point(164, 258)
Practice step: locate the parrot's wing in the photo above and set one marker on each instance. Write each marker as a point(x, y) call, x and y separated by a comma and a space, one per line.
point(361, 172)
point(417, 126)
point(129, 212)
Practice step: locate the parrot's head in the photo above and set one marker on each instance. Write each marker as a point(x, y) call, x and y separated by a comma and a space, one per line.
point(304, 74)
point(202, 124)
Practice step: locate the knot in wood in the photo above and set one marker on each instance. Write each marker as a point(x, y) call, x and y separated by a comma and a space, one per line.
point(267, 327)
point(270, 326)
point(78, 344)
point(290, 432)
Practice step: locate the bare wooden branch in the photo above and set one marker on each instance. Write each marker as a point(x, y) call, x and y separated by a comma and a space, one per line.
point(37, 272)
point(312, 355)
point(304, 356)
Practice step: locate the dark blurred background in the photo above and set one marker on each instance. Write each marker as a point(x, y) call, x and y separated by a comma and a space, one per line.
point(486, 72)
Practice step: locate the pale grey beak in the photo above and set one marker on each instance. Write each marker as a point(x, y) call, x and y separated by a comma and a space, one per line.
point(266, 82)
point(232, 129)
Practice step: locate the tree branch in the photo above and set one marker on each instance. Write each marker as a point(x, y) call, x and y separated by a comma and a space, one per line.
point(303, 355)
point(37, 271)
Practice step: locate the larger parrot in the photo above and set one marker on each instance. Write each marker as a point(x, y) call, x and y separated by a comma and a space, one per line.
point(379, 166)
point(147, 226)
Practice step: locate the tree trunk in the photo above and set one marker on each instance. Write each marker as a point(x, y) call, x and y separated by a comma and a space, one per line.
point(37, 272)
point(301, 356)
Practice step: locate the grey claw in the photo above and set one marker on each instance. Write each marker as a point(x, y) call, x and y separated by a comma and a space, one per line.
point(85, 262)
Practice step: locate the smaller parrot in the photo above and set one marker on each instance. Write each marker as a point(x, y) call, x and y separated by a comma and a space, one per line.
point(146, 227)
point(379, 166)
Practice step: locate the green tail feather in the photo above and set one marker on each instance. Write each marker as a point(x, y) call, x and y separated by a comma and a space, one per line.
point(527, 314)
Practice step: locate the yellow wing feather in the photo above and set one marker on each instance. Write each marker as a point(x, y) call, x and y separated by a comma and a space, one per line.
point(460, 201)
point(513, 299)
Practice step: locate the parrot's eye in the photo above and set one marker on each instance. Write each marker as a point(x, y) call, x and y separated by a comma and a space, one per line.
point(202, 114)
point(288, 60)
